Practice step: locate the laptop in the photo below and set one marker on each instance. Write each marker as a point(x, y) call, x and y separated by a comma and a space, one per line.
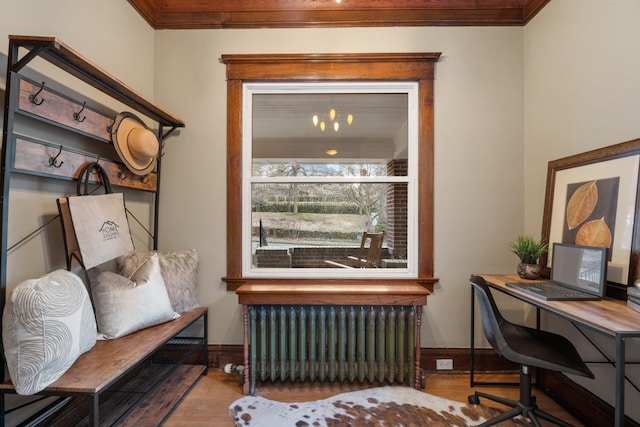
point(577, 273)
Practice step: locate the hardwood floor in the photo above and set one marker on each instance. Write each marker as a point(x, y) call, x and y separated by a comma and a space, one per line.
point(208, 402)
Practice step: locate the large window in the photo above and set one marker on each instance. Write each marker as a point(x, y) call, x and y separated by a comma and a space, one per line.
point(325, 164)
point(303, 190)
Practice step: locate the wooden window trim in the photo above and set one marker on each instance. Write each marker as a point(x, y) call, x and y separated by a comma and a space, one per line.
point(308, 68)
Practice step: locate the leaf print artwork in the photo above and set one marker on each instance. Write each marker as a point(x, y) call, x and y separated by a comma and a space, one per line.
point(594, 233)
point(590, 212)
point(582, 203)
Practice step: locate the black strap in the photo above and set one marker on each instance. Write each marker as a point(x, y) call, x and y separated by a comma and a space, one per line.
point(86, 172)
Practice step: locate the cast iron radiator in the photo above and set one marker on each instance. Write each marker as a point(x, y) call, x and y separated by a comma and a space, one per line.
point(332, 343)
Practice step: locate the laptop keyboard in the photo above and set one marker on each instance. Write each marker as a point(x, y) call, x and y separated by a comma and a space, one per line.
point(550, 291)
point(553, 289)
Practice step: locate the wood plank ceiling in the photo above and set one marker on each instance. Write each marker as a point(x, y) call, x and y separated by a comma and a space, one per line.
point(208, 14)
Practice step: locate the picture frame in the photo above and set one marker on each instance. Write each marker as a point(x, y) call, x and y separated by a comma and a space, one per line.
point(591, 199)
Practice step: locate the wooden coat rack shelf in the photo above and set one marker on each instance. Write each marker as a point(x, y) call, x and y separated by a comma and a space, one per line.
point(64, 57)
point(42, 158)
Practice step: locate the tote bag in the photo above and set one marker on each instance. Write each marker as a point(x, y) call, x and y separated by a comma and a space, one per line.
point(95, 227)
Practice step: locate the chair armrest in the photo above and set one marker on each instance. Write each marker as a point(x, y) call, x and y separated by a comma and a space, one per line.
point(337, 264)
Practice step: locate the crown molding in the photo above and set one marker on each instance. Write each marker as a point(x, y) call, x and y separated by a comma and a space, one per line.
point(211, 14)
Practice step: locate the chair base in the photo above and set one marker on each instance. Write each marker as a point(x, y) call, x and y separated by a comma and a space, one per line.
point(526, 406)
point(531, 411)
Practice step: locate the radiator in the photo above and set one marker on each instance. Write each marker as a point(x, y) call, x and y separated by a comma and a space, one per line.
point(331, 343)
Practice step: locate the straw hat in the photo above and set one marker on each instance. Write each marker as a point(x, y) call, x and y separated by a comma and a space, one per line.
point(136, 145)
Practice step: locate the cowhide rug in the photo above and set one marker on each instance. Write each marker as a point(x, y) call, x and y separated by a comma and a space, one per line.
point(375, 407)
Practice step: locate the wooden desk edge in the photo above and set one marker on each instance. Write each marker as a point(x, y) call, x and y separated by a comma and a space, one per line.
point(609, 316)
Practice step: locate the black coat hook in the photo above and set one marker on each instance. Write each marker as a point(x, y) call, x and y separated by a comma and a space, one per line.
point(110, 127)
point(76, 116)
point(94, 171)
point(34, 98)
point(53, 161)
point(122, 173)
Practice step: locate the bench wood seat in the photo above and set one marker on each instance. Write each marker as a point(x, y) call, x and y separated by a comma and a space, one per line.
point(110, 361)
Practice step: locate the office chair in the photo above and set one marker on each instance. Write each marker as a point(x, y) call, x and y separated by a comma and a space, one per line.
point(528, 347)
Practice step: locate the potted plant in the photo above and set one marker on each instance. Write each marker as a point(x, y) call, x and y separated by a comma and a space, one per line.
point(529, 250)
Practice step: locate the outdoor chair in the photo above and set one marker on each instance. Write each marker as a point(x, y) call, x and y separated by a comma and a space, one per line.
point(368, 255)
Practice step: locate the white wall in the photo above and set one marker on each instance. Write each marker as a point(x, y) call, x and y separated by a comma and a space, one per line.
point(110, 34)
point(581, 68)
point(478, 153)
point(582, 61)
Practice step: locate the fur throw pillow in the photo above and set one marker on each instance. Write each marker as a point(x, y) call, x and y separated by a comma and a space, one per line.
point(179, 270)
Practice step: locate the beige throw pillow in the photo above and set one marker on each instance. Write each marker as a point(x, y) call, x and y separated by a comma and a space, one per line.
point(126, 305)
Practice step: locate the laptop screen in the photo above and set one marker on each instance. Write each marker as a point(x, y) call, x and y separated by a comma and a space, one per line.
point(580, 267)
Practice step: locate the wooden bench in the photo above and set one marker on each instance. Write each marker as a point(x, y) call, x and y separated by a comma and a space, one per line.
point(134, 380)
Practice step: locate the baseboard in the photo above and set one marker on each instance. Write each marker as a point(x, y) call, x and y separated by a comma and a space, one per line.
point(486, 360)
point(584, 405)
point(222, 354)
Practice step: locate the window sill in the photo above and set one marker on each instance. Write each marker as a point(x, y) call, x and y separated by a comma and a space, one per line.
point(363, 286)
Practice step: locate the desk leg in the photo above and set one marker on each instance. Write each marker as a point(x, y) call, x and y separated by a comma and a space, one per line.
point(619, 392)
point(473, 338)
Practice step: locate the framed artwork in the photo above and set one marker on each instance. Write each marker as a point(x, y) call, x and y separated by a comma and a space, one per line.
point(591, 199)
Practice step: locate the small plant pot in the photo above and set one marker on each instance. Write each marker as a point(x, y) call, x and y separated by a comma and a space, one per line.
point(529, 271)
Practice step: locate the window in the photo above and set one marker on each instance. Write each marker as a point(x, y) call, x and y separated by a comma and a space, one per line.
point(326, 163)
point(300, 198)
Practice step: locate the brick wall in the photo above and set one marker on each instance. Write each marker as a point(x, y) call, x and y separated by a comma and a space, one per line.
point(267, 257)
point(397, 210)
point(305, 257)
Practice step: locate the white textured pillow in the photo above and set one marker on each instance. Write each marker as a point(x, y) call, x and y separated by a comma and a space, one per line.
point(179, 270)
point(47, 324)
point(124, 306)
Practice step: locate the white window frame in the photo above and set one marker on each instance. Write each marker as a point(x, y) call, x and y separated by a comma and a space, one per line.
point(411, 89)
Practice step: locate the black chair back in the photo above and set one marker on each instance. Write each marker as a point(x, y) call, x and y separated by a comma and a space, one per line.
point(524, 345)
point(491, 316)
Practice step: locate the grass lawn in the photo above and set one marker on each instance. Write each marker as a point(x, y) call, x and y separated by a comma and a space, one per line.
point(311, 222)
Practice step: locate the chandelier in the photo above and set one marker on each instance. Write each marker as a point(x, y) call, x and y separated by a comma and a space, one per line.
point(333, 118)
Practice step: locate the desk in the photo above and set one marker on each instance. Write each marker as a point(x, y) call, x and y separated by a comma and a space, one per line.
point(609, 317)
